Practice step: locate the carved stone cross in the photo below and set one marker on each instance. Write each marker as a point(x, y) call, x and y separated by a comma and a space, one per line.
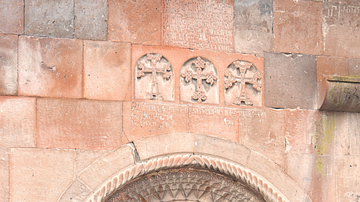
point(210, 77)
point(243, 79)
point(154, 69)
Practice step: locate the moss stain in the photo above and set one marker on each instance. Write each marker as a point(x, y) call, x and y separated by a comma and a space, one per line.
point(324, 137)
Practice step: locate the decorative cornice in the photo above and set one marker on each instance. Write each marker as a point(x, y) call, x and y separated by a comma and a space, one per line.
point(252, 179)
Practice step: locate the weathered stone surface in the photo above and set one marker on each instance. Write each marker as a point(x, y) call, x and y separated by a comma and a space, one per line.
point(209, 145)
point(327, 65)
point(91, 19)
point(4, 175)
point(299, 131)
point(347, 178)
point(135, 21)
point(12, 16)
point(353, 67)
point(17, 121)
point(350, 2)
point(339, 93)
point(217, 121)
point(49, 18)
point(315, 174)
point(276, 175)
point(354, 125)
point(8, 64)
point(80, 124)
point(144, 119)
point(107, 70)
point(340, 29)
point(107, 166)
point(207, 25)
point(331, 136)
point(76, 192)
point(50, 67)
point(84, 158)
point(290, 81)
point(164, 144)
point(297, 27)
point(253, 26)
point(40, 174)
point(260, 132)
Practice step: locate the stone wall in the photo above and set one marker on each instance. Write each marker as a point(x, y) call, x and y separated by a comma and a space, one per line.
point(88, 88)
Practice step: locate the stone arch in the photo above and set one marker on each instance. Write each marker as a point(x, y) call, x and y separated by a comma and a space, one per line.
point(149, 154)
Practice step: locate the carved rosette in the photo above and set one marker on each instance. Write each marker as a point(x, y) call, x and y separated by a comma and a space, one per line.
point(256, 184)
point(243, 83)
point(154, 79)
point(198, 81)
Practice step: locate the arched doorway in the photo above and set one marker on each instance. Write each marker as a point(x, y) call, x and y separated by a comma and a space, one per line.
point(185, 184)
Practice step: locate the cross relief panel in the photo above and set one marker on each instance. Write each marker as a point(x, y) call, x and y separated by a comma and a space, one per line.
point(198, 80)
point(154, 78)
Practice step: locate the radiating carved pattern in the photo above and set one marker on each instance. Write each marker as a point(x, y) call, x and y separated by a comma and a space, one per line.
point(185, 184)
point(108, 188)
point(154, 69)
point(242, 79)
point(210, 77)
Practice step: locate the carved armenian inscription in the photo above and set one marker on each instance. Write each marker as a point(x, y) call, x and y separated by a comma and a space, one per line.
point(199, 81)
point(199, 24)
point(155, 115)
point(154, 78)
point(243, 84)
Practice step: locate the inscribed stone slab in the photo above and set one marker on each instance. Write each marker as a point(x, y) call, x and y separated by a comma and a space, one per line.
point(218, 121)
point(198, 24)
point(143, 119)
point(253, 26)
point(49, 18)
point(297, 27)
point(340, 29)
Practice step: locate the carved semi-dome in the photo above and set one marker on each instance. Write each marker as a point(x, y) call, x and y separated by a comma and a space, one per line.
point(185, 184)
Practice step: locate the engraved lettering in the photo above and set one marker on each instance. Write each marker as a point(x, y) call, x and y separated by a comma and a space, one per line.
point(199, 24)
point(153, 115)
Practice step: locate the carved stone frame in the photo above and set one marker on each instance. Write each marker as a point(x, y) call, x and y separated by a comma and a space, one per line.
point(176, 150)
point(252, 179)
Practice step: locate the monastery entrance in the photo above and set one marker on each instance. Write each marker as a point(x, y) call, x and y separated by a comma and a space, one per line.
point(185, 184)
